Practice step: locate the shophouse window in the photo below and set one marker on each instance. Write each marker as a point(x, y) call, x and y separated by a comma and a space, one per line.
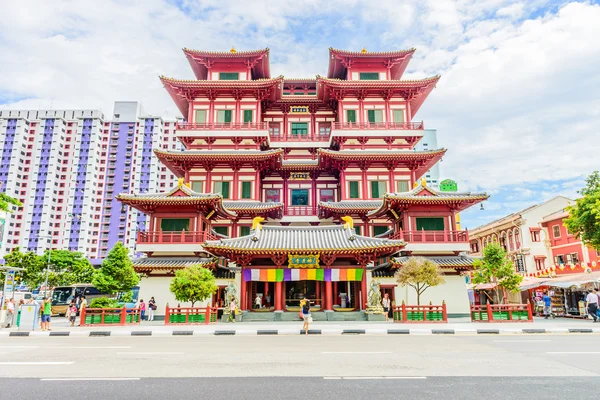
point(375, 116)
point(351, 116)
point(221, 230)
point(556, 231)
point(299, 197)
point(200, 117)
point(430, 224)
point(559, 259)
point(535, 236)
point(224, 116)
point(299, 128)
point(246, 190)
point(398, 115)
point(223, 188)
point(229, 76)
point(272, 195)
point(539, 264)
point(573, 258)
point(197, 186)
point(326, 195)
point(380, 229)
point(247, 116)
point(369, 76)
point(378, 189)
point(174, 224)
point(244, 230)
point(402, 186)
point(353, 189)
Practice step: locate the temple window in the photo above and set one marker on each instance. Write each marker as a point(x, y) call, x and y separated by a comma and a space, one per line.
point(380, 229)
point(200, 117)
point(299, 128)
point(221, 230)
point(224, 116)
point(299, 197)
point(272, 195)
point(351, 116)
point(398, 115)
point(430, 224)
point(324, 128)
point(247, 116)
point(274, 128)
point(197, 186)
point(378, 189)
point(229, 76)
point(174, 224)
point(221, 187)
point(246, 190)
point(244, 230)
point(402, 186)
point(353, 189)
point(375, 116)
point(326, 195)
point(357, 230)
point(369, 76)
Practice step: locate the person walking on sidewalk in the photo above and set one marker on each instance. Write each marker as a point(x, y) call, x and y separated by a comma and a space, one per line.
point(231, 311)
point(46, 313)
point(306, 315)
point(547, 306)
point(10, 312)
point(142, 310)
point(387, 304)
point(151, 308)
point(592, 305)
point(72, 312)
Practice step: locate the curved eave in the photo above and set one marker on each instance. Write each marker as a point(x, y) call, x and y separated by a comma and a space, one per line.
point(274, 211)
point(394, 203)
point(198, 59)
point(399, 58)
point(226, 249)
point(328, 210)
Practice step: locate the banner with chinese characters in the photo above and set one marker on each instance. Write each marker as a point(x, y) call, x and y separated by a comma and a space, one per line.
point(299, 110)
point(300, 176)
point(290, 275)
point(303, 261)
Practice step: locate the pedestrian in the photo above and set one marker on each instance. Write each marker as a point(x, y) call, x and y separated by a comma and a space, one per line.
point(46, 313)
point(387, 304)
point(231, 311)
point(592, 305)
point(548, 305)
point(142, 310)
point(72, 312)
point(151, 308)
point(10, 312)
point(257, 302)
point(268, 300)
point(306, 315)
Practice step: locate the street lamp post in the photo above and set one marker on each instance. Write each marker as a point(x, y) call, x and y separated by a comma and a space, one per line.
point(49, 238)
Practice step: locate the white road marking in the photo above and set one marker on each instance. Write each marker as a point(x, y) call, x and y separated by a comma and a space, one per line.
point(372, 377)
point(573, 352)
point(89, 379)
point(19, 347)
point(150, 353)
point(86, 347)
point(522, 341)
point(37, 362)
point(356, 352)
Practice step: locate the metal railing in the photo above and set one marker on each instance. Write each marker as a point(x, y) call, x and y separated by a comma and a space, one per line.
point(299, 138)
point(379, 125)
point(160, 237)
point(187, 126)
point(424, 236)
point(299, 211)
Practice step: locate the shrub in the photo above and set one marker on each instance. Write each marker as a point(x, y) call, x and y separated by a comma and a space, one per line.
point(104, 302)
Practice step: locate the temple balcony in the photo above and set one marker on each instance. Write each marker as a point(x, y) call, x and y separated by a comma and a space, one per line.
point(324, 138)
point(452, 241)
point(172, 242)
point(416, 125)
point(300, 211)
point(223, 129)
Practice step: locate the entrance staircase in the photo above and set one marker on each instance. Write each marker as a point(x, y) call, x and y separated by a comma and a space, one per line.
point(249, 316)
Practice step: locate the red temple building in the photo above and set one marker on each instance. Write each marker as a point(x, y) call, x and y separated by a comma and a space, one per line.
point(294, 188)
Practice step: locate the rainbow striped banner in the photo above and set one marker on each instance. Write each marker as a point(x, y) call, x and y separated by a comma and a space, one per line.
point(289, 275)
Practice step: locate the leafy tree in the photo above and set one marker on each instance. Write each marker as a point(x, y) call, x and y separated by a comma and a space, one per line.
point(496, 268)
point(584, 216)
point(193, 284)
point(104, 302)
point(32, 265)
point(117, 273)
point(420, 274)
point(7, 202)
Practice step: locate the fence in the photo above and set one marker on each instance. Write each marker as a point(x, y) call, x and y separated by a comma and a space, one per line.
point(190, 315)
point(502, 313)
point(420, 314)
point(109, 316)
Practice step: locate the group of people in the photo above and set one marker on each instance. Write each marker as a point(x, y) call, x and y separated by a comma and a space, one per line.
point(13, 310)
point(151, 308)
point(258, 301)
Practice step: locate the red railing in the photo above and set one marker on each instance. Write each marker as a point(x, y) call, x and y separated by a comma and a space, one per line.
point(186, 126)
point(424, 236)
point(109, 316)
point(299, 138)
point(378, 125)
point(299, 211)
point(190, 315)
point(502, 313)
point(175, 237)
point(420, 313)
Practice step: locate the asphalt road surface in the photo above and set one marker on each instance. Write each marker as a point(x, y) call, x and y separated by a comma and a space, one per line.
point(307, 367)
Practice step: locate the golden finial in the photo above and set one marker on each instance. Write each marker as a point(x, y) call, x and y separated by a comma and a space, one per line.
point(256, 223)
point(180, 182)
point(349, 222)
point(364, 50)
point(423, 182)
point(415, 184)
point(233, 50)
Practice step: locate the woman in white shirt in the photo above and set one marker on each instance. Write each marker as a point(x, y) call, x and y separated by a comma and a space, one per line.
point(387, 306)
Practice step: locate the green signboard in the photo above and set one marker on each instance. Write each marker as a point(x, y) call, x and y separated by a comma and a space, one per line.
point(448, 185)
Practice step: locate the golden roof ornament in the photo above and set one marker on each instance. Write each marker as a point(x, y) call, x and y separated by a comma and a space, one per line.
point(364, 50)
point(349, 222)
point(233, 50)
point(256, 223)
point(180, 182)
point(423, 182)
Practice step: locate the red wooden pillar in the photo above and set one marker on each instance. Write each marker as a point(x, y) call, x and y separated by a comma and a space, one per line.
point(318, 293)
point(278, 293)
point(243, 292)
point(365, 186)
point(314, 194)
point(236, 183)
point(257, 185)
point(363, 290)
point(343, 195)
point(328, 298)
point(266, 292)
point(207, 187)
point(335, 293)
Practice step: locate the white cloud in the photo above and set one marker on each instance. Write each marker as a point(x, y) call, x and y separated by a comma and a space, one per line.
point(512, 11)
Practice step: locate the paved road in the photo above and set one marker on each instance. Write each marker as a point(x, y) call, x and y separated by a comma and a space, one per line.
point(284, 367)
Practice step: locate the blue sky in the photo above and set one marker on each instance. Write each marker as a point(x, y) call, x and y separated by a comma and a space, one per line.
point(515, 105)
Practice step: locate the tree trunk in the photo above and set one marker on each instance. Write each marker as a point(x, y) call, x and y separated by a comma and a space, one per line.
point(418, 296)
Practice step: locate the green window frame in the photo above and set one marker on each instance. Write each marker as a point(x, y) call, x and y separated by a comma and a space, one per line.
point(402, 186)
point(246, 190)
point(221, 230)
point(430, 223)
point(351, 116)
point(300, 197)
point(200, 117)
point(398, 115)
point(224, 116)
point(299, 128)
point(378, 189)
point(357, 230)
point(380, 229)
point(247, 115)
point(375, 116)
point(244, 230)
point(368, 76)
point(353, 185)
point(222, 187)
point(197, 186)
point(174, 224)
point(229, 76)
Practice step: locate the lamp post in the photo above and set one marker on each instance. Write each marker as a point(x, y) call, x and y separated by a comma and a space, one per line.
point(49, 238)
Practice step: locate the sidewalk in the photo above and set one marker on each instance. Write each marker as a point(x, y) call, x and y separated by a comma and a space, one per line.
point(458, 326)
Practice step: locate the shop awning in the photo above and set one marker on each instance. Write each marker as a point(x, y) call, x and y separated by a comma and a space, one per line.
point(567, 281)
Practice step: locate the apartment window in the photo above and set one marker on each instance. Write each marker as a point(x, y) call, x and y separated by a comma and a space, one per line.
point(402, 186)
point(229, 76)
point(247, 116)
point(353, 189)
point(197, 186)
point(430, 224)
point(350, 115)
point(223, 188)
point(221, 230)
point(299, 197)
point(556, 231)
point(380, 229)
point(375, 116)
point(369, 76)
point(246, 190)
point(326, 195)
point(398, 115)
point(299, 128)
point(535, 235)
point(378, 189)
point(224, 116)
point(244, 230)
point(200, 117)
point(272, 195)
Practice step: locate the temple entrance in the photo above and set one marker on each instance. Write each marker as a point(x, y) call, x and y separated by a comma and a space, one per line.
point(263, 291)
point(295, 291)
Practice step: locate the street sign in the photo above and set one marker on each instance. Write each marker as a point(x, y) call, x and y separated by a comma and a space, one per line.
point(520, 263)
